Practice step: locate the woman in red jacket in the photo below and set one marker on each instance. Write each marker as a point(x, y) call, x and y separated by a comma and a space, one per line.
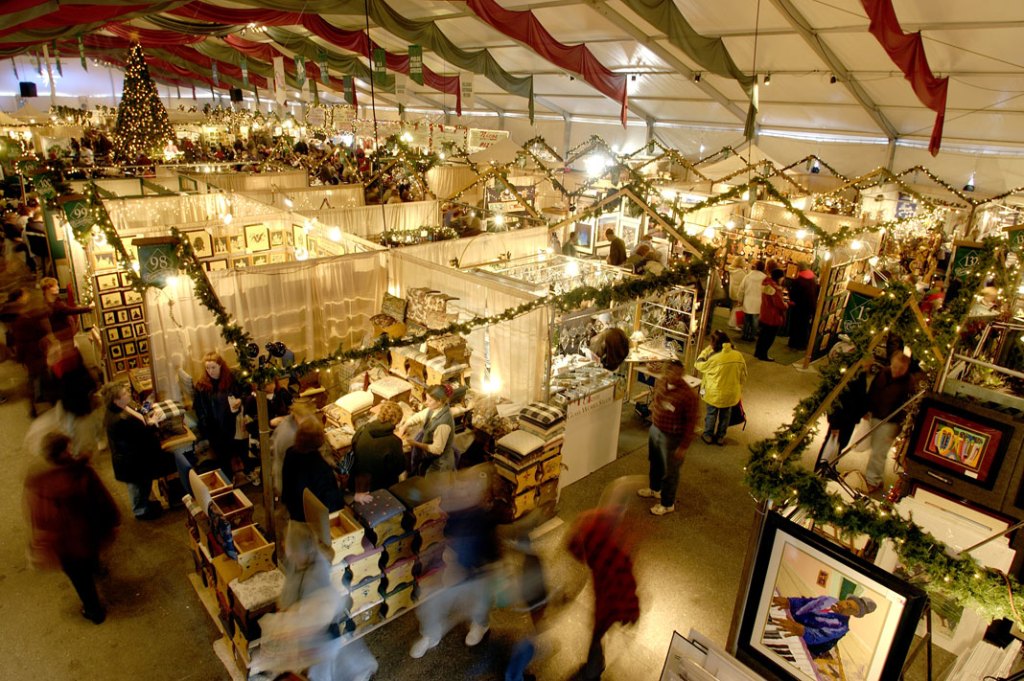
point(773, 314)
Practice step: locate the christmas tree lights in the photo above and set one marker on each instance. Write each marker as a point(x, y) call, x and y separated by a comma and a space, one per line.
point(142, 125)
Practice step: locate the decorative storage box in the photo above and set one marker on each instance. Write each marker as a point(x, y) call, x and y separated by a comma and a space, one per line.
point(365, 593)
point(400, 573)
point(215, 481)
point(423, 503)
point(547, 493)
point(340, 581)
point(429, 582)
point(365, 564)
point(353, 409)
point(235, 507)
point(438, 372)
point(519, 445)
point(430, 534)
point(255, 553)
point(397, 548)
point(391, 388)
point(429, 560)
point(241, 643)
point(225, 571)
point(346, 535)
point(367, 617)
point(520, 476)
point(398, 599)
point(452, 347)
point(381, 516)
point(254, 598)
point(552, 466)
point(514, 505)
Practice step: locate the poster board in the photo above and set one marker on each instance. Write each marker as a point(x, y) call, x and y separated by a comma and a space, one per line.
point(833, 299)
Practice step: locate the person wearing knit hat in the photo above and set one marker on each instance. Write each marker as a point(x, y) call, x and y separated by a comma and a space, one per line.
point(434, 445)
point(377, 457)
point(822, 621)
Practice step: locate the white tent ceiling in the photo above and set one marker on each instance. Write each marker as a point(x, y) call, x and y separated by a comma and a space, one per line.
point(801, 43)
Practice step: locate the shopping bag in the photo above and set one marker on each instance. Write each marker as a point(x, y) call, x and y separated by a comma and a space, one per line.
point(736, 318)
point(738, 416)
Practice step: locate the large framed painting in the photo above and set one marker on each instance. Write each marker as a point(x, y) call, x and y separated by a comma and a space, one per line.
point(257, 238)
point(816, 611)
point(965, 444)
point(584, 237)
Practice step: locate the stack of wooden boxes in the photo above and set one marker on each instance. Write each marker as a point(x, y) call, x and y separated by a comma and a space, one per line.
point(445, 361)
point(529, 460)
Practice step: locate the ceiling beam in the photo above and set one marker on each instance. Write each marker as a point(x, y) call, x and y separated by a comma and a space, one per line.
point(861, 28)
point(637, 34)
point(825, 53)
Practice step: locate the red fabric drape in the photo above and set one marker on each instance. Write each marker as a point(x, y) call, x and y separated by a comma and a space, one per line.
point(526, 28)
point(153, 38)
point(227, 15)
point(72, 15)
point(907, 51)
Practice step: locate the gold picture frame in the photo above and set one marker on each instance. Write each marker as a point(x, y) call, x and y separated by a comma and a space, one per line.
point(257, 238)
point(201, 242)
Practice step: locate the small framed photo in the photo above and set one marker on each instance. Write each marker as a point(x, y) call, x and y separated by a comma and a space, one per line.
point(126, 331)
point(240, 263)
point(109, 300)
point(257, 238)
point(116, 352)
point(221, 245)
point(122, 316)
point(201, 242)
point(858, 627)
point(104, 260)
point(289, 238)
point(258, 260)
point(276, 238)
point(107, 282)
point(237, 244)
point(216, 265)
point(278, 257)
point(140, 330)
point(132, 297)
point(135, 313)
point(120, 367)
point(299, 236)
point(125, 279)
point(968, 445)
point(133, 362)
point(143, 346)
point(109, 318)
point(113, 334)
point(130, 349)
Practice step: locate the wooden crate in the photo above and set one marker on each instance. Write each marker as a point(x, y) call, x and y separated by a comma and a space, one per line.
point(215, 481)
point(397, 548)
point(255, 553)
point(235, 507)
point(346, 535)
point(365, 564)
point(365, 593)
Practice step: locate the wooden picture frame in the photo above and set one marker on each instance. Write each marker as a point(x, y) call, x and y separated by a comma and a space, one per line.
point(140, 330)
point(126, 331)
point(113, 299)
point(237, 243)
point(130, 349)
point(240, 263)
point(120, 367)
point(784, 589)
point(132, 297)
point(107, 282)
point(276, 238)
point(124, 278)
point(221, 245)
point(276, 258)
point(135, 313)
point(109, 318)
point(121, 316)
point(258, 260)
point(300, 237)
point(116, 352)
point(104, 260)
point(965, 444)
point(257, 238)
point(143, 347)
point(216, 265)
point(201, 241)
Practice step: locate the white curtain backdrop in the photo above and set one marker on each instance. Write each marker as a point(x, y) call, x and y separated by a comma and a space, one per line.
point(167, 211)
point(481, 248)
point(242, 182)
point(367, 221)
point(312, 306)
point(446, 180)
point(518, 349)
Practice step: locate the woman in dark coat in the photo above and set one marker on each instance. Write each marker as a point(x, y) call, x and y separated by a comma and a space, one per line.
point(303, 468)
point(135, 450)
point(217, 409)
point(71, 516)
point(378, 460)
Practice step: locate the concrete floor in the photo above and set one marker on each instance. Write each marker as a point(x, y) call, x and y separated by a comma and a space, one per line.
point(688, 567)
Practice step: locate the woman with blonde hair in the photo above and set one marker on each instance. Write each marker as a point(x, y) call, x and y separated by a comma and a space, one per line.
point(378, 461)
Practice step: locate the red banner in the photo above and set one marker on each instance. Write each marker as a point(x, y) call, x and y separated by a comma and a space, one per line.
point(907, 51)
point(153, 38)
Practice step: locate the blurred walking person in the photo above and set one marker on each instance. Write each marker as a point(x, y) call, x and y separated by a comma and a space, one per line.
point(72, 517)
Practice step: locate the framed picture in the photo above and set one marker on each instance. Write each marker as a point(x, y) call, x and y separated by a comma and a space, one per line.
point(143, 358)
point(125, 279)
point(109, 300)
point(104, 260)
point(122, 316)
point(276, 238)
point(126, 331)
point(106, 282)
point(240, 263)
point(140, 330)
point(278, 257)
point(201, 241)
point(858, 627)
point(129, 349)
point(629, 230)
point(258, 260)
point(132, 297)
point(133, 362)
point(299, 236)
point(116, 352)
point(257, 238)
point(216, 265)
point(237, 244)
point(109, 318)
point(289, 238)
point(605, 222)
point(135, 313)
point(584, 236)
point(120, 367)
point(966, 444)
point(113, 334)
point(143, 346)
point(221, 245)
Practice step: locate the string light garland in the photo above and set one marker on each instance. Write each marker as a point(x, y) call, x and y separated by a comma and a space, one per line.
point(142, 126)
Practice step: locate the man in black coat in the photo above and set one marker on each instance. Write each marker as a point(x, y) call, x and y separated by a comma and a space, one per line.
point(135, 450)
point(378, 460)
point(616, 248)
point(803, 294)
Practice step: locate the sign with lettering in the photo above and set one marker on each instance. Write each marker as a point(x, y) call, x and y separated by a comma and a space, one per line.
point(158, 259)
point(79, 214)
point(416, 63)
point(857, 310)
point(966, 255)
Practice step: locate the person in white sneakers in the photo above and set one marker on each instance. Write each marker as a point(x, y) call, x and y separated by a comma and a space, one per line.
point(471, 534)
point(675, 408)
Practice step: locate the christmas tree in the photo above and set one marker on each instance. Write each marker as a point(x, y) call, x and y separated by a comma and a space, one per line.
point(142, 125)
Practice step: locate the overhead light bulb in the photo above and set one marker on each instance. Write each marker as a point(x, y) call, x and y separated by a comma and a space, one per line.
point(801, 233)
point(227, 218)
point(573, 268)
point(767, 79)
point(856, 244)
point(334, 234)
point(499, 219)
point(288, 203)
point(595, 165)
point(171, 281)
point(969, 187)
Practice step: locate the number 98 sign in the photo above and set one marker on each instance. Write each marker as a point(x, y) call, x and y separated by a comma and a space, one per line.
point(157, 262)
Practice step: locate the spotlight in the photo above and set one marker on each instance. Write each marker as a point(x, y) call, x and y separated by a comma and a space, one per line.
point(767, 79)
point(815, 167)
point(632, 77)
point(832, 79)
point(969, 187)
point(696, 77)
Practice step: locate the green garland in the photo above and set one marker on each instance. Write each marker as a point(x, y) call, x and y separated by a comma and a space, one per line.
point(781, 480)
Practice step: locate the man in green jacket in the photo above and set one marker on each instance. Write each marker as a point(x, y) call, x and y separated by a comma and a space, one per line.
point(723, 373)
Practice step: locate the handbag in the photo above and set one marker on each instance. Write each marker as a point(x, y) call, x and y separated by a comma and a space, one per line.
point(738, 416)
